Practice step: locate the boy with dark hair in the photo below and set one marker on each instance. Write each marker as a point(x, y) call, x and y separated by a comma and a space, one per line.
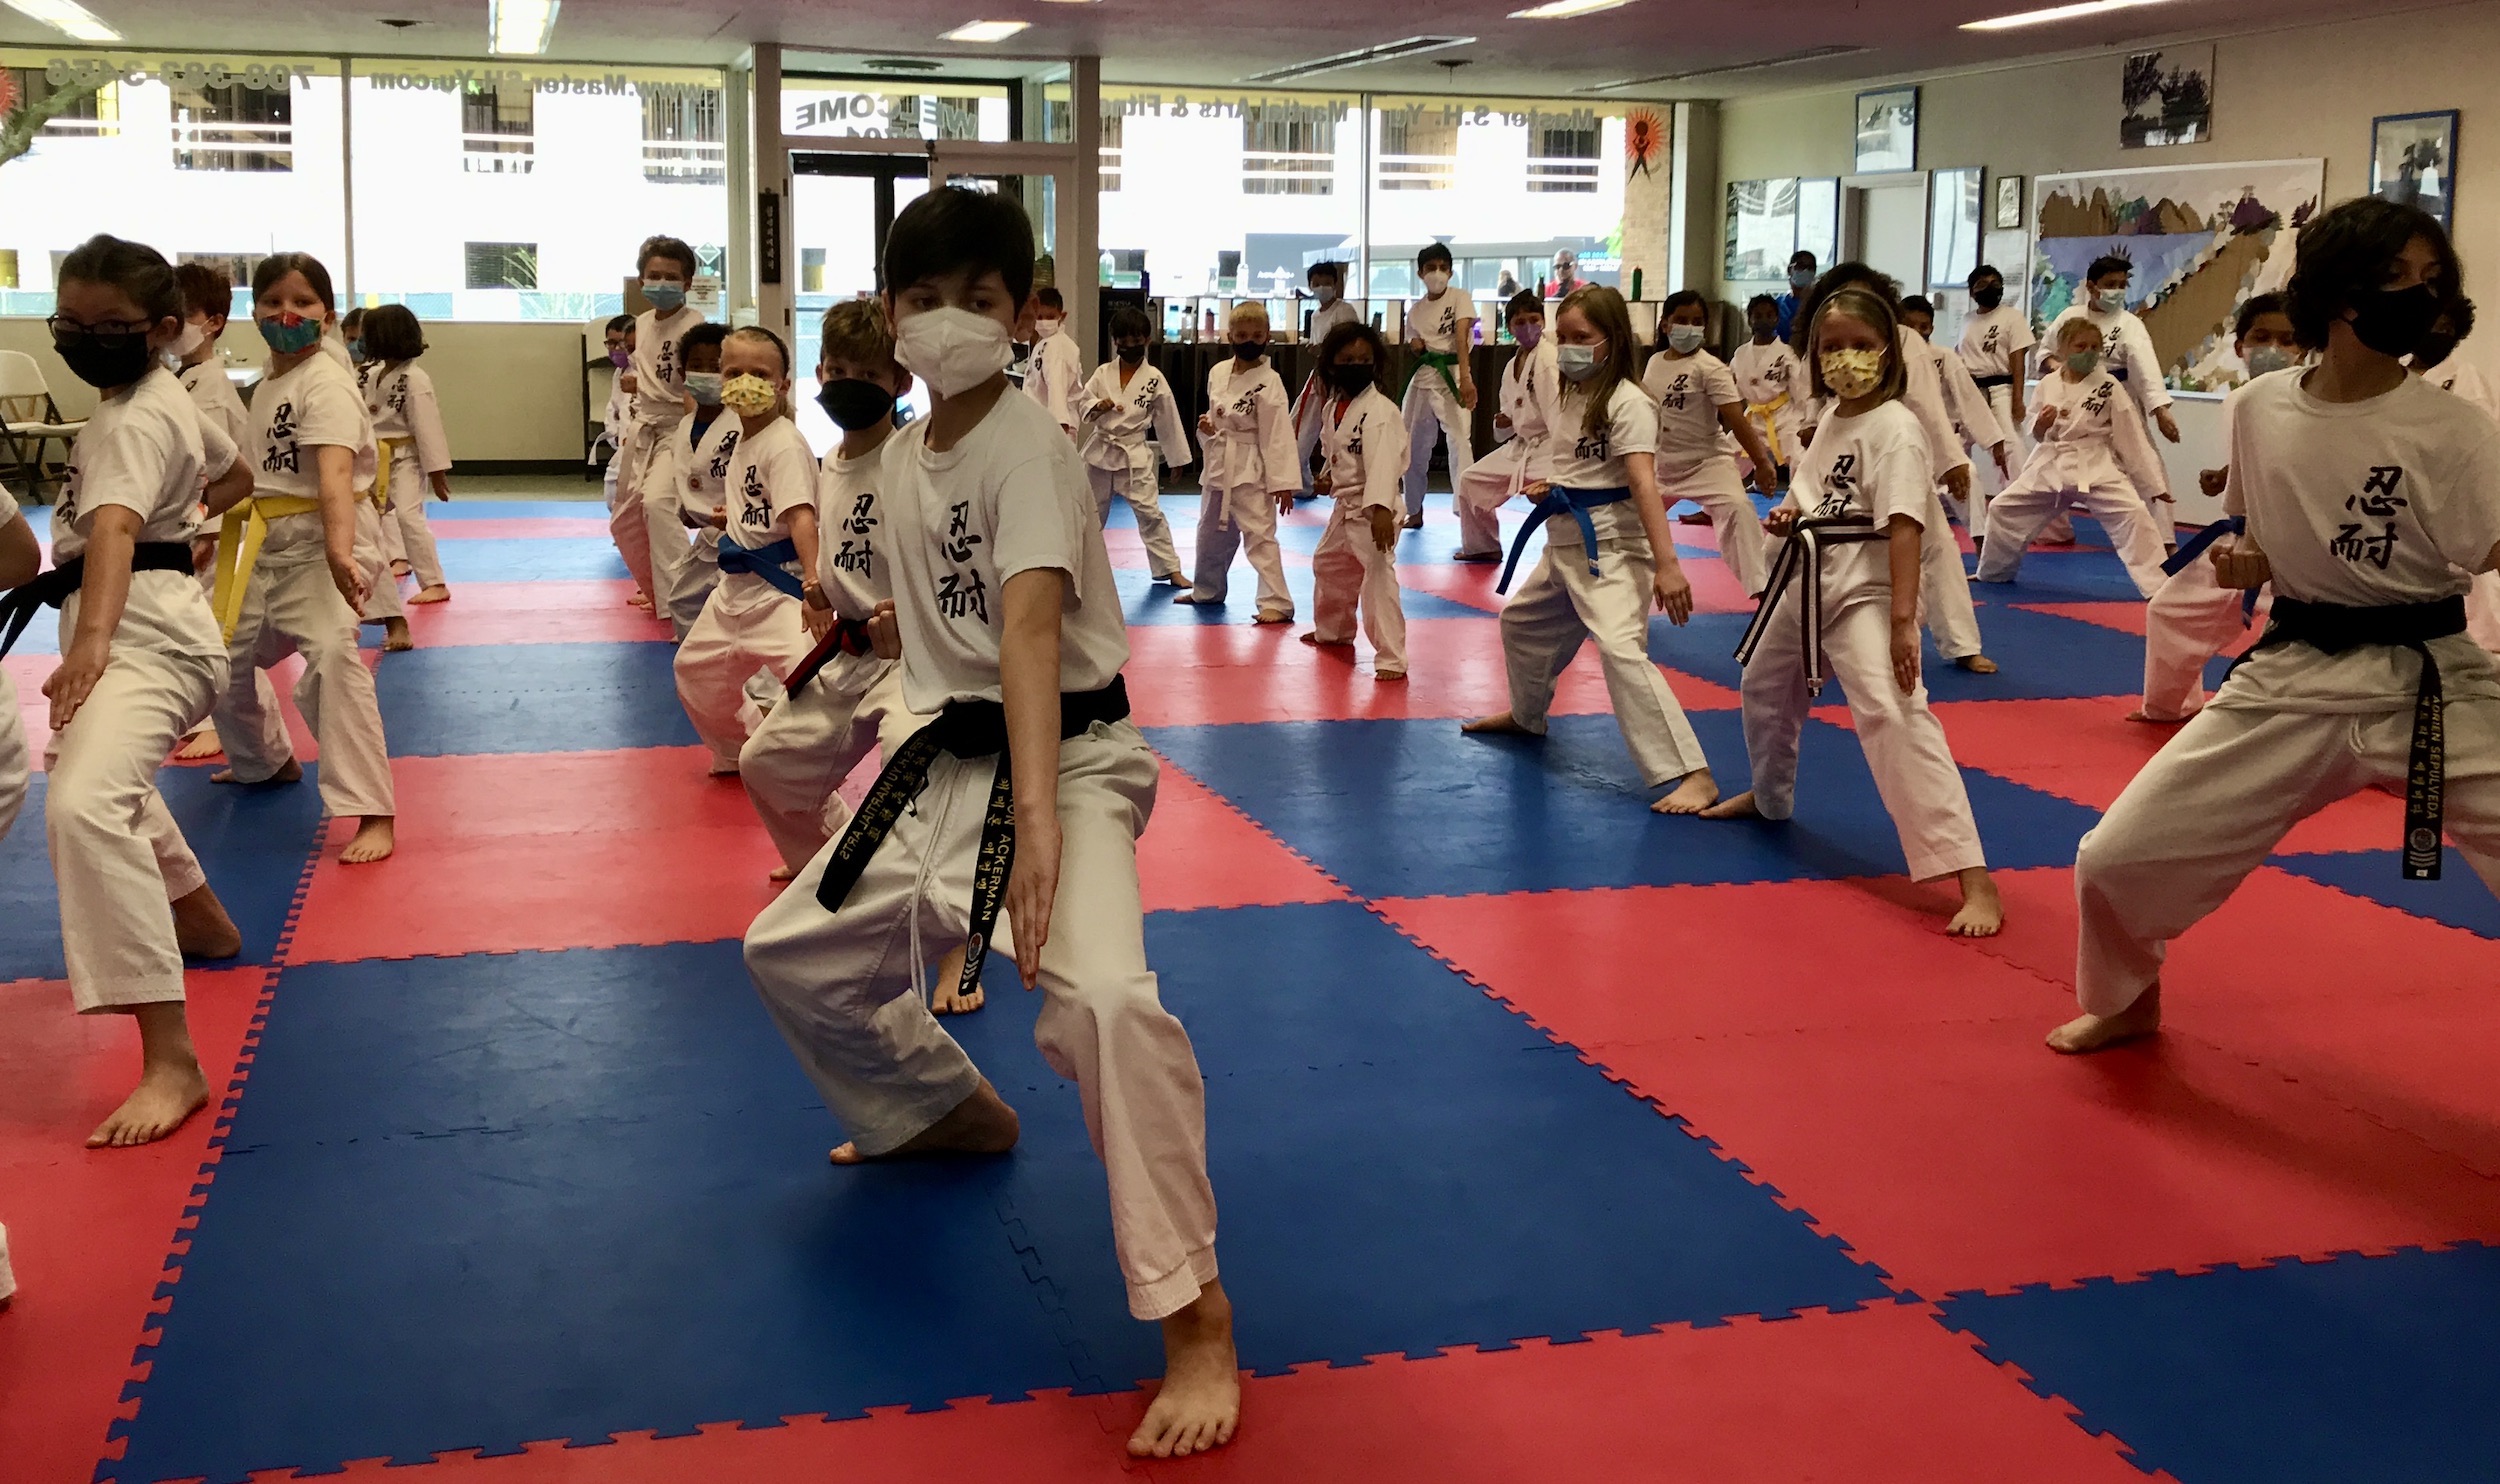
point(1773, 383)
point(1440, 387)
point(686, 487)
point(656, 382)
point(1055, 377)
point(2131, 356)
point(1801, 271)
point(1132, 422)
point(1327, 284)
point(1028, 791)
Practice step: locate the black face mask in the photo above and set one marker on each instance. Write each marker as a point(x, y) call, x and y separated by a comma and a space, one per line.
point(1350, 378)
point(1131, 354)
point(106, 360)
point(854, 404)
point(2395, 322)
point(1248, 350)
point(1989, 297)
point(2434, 348)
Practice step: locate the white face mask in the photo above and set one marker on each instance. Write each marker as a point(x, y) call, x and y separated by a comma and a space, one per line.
point(953, 350)
point(1043, 329)
point(1435, 281)
point(1577, 362)
point(193, 336)
point(1326, 293)
point(2110, 301)
point(1684, 339)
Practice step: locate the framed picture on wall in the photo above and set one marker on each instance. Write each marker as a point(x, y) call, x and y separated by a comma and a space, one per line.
point(2413, 160)
point(2009, 206)
point(1818, 218)
point(1887, 131)
point(2167, 98)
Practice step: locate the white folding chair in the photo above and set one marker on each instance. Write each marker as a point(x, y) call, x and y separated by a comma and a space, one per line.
point(30, 418)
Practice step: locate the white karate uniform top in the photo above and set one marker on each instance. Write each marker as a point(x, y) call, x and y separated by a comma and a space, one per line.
point(1697, 457)
point(1055, 376)
point(660, 367)
point(1766, 373)
point(1252, 446)
point(1990, 340)
point(1329, 316)
point(2125, 346)
point(1117, 439)
point(400, 400)
point(747, 625)
point(17, 768)
point(1364, 456)
point(1441, 322)
point(1531, 395)
point(2097, 451)
point(214, 394)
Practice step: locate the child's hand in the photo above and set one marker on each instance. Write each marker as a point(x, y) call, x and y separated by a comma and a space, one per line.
point(625, 379)
point(718, 520)
point(1501, 419)
point(1905, 654)
point(81, 667)
point(1284, 501)
point(1467, 394)
point(2212, 481)
point(1101, 407)
point(2169, 426)
point(2040, 424)
point(1032, 890)
point(1323, 485)
point(349, 578)
point(1672, 591)
point(1536, 489)
point(1206, 423)
point(885, 635)
point(1957, 481)
point(1781, 522)
point(1384, 527)
point(2003, 453)
point(2238, 563)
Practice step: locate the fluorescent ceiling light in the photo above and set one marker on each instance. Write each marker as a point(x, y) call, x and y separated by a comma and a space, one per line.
point(67, 17)
point(1785, 59)
point(1387, 51)
point(1559, 10)
point(2054, 14)
point(520, 28)
point(984, 31)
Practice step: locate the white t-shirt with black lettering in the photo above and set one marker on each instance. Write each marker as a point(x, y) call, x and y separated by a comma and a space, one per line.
point(316, 405)
point(1874, 465)
point(1439, 322)
point(1583, 459)
point(148, 450)
point(854, 561)
point(1689, 392)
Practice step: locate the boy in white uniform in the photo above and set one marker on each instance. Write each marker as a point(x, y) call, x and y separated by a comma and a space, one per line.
point(657, 383)
point(767, 549)
point(2090, 450)
point(1605, 525)
point(413, 456)
point(1773, 383)
point(1995, 346)
point(1698, 407)
point(1125, 401)
point(1440, 381)
point(207, 301)
point(619, 339)
point(1974, 420)
point(1363, 456)
point(1845, 591)
point(1531, 392)
point(2370, 496)
point(289, 576)
point(1009, 626)
point(687, 483)
point(1055, 377)
point(1247, 435)
point(141, 661)
point(1327, 285)
point(2128, 347)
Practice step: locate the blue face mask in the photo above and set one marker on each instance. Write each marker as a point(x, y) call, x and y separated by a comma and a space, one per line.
point(289, 333)
point(667, 298)
point(1801, 279)
point(356, 350)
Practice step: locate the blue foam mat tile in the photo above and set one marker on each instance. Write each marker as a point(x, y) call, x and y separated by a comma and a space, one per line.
point(1143, 601)
point(2053, 576)
point(531, 698)
point(1515, 814)
point(2355, 1370)
point(521, 559)
point(2458, 898)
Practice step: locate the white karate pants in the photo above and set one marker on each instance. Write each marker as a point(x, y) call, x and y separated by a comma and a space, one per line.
point(2191, 619)
point(1715, 486)
point(1141, 488)
point(17, 768)
point(747, 626)
point(628, 526)
point(842, 988)
point(381, 588)
point(685, 562)
point(2482, 611)
point(1558, 607)
point(1944, 602)
point(2211, 806)
point(119, 858)
point(2023, 507)
point(1350, 572)
point(1904, 742)
point(1228, 520)
point(1432, 411)
point(1480, 494)
point(292, 607)
point(409, 492)
point(811, 741)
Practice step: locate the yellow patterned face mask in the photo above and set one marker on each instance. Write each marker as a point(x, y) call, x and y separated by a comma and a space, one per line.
point(1852, 373)
point(749, 395)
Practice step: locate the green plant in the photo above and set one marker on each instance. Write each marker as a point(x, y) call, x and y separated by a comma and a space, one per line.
point(21, 120)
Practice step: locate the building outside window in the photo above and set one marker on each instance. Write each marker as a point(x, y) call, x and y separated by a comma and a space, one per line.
point(502, 265)
point(496, 137)
point(234, 127)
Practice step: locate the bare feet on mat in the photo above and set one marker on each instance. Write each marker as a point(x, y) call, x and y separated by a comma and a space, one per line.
point(1189, 596)
point(1693, 518)
point(1983, 911)
point(1502, 725)
point(640, 600)
point(980, 1124)
point(1380, 674)
point(1313, 638)
point(401, 569)
point(950, 973)
point(1740, 807)
point(290, 771)
point(721, 769)
point(1199, 1403)
point(1275, 615)
point(395, 636)
point(783, 873)
point(1977, 664)
point(1696, 792)
point(200, 744)
point(2088, 1033)
point(2138, 714)
point(375, 838)
point(1481, 558)
point(435, 594)
point(165, 1098)
point(202, 929)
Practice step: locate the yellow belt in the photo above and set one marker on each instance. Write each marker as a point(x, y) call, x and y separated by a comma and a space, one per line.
point(389, 449)
point(1768, 412)
point(238, 548)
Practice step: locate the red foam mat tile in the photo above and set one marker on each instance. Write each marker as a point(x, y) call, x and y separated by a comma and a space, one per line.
point(587, 611)
point(1219, 674)
point(1969, 1156)
point(2126, 618)
point(29, 672)
point(524, 527)
point(90, 1231)
point(507, 852)
point(1604, 967)
point(1199, 851)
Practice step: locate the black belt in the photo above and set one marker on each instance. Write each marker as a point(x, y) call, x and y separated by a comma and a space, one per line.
point(965, 729)
point(1989, 381)
point(849, 636)
point(1802, 554)
point(52, 589)
point(2333, 629)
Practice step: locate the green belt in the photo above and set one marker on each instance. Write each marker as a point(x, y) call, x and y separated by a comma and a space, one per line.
point(1438, 360)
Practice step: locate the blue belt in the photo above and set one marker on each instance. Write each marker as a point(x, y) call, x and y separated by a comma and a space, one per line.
point(765, 562)
point(2195, 546)
point(1559, 501)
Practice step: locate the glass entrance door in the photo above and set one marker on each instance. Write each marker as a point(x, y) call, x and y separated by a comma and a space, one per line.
point(841, 207)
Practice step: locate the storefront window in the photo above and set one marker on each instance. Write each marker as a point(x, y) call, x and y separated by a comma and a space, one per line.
point(881, 108)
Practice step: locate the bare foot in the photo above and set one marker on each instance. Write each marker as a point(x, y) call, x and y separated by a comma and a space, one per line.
point(374, 840)
point(782, 873)
point(1199, 1403)
point(1740, 807)
point(640, 600)
point(1189, 597)
point(1696, 793)
point(1977, 664)
point(2138, 714)
point(980, 1124)
point(1503, 725)
point(1314, 639)
point(289, 771)
point(200, 744)
point(950, 973)
point(395, 636)
point(721, 769)
point(202, 929)
point(435, 594)
point(1274, 615)
point(170, 1088)
point(401, 569)
point(1481, 558)
point(1983, 911)
point(1381, 674)
point(2089, 1033)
